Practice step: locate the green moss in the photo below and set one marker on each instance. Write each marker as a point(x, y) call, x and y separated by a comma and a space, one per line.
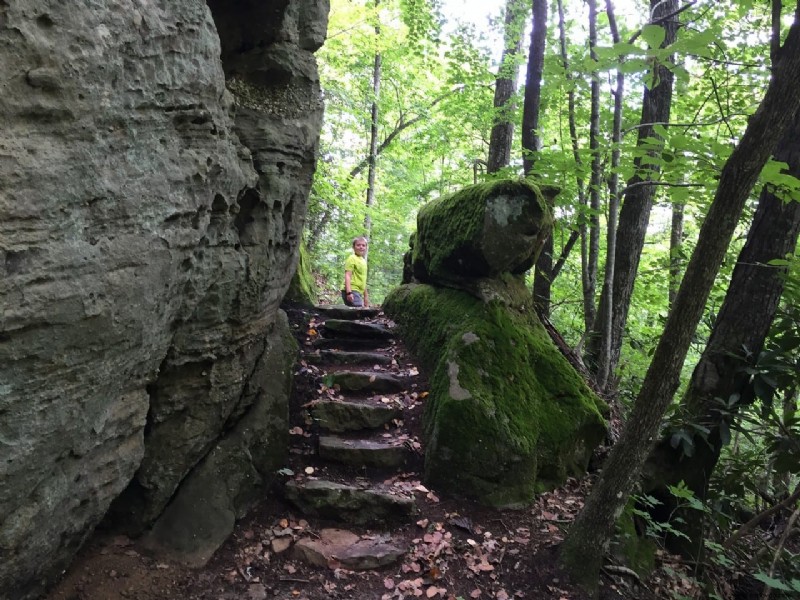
point(302, 289)
point(454, 233)
point(507, 415)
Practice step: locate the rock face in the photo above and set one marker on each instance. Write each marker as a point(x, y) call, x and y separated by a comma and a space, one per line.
point(150, 216)
point(507, 415)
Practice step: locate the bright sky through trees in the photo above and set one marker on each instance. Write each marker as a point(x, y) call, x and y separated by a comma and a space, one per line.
point(477, 12)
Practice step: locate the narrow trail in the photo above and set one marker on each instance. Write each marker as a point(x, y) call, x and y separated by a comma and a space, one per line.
point(349, 516)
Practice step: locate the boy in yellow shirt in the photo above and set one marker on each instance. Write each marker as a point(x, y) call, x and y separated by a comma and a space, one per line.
point(355, 275)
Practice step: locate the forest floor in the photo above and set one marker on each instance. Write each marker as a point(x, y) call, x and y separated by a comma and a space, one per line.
point(455, 549)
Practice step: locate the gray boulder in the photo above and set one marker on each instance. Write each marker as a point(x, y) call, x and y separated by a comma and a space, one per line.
point(152, 197)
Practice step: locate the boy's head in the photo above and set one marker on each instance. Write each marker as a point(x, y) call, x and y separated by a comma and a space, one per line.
point(360, 246)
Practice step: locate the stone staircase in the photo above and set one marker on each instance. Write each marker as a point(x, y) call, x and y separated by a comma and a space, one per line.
point(351, 445)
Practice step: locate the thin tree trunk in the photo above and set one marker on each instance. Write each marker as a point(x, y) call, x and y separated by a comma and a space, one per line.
point(531, 142)
point(675, 247)
point(505, 86)
point(545, 274)
point(613, 209)
point(593, 245)
point(637, 203)
point(373, 132)
point(583, 548)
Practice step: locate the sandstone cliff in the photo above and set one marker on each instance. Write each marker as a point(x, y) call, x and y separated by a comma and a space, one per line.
point(150, 216)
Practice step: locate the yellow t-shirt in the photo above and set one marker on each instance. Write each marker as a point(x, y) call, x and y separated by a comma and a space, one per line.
point(358, 267)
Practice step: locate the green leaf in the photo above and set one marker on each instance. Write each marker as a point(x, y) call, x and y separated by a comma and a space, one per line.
point(654, 35)
point(772, 582)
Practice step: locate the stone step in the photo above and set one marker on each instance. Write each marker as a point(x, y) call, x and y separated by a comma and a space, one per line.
point(339, 416)
point(339, 548)
point(365, 382)
point(341, 311)
point(351, 329)
point(350, 344)
point(342, 357)
point(349, 503)
point(362, 452)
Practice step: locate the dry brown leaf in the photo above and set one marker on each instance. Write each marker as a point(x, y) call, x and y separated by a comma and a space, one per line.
point(388, 583)
point(475, 593)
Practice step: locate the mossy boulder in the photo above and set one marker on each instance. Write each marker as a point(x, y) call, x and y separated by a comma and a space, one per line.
point(507, 415)
point(481, 231)
point(302, 289)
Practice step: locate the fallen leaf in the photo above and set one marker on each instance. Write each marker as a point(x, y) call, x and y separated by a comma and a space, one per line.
point(425, 395)
point(388, 583)
point(309, 470)
point(475, 593)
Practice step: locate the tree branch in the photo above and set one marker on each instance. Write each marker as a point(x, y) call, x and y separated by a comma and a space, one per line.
point(752, 523)
point(401, 126)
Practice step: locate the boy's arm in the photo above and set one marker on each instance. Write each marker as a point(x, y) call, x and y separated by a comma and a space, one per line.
point(347, 276)
point(366, 298)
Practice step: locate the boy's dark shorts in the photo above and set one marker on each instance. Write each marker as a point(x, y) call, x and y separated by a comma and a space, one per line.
point(358, 299)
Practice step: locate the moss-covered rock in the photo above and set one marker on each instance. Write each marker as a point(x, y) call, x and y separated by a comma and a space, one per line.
point(481, 231)
point(507, 415)
point(302, 289)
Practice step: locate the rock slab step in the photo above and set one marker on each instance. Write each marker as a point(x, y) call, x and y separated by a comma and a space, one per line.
point(339, 548)
point(342, 357)
point(345, 328)
point(370, 453)
point(348, 503)
point(341, 311)
point(366, 382)
point(348, 344)
point(339, 416)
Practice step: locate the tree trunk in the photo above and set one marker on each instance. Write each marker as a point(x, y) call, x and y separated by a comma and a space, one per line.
point(505, 85)
point(637, 202)
point(545, 271)
point(593, 245)
point(675, 248)
point(373, 131)
point(583, 548)
point(603, 374)
point(531, 143)
point(742, 323)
